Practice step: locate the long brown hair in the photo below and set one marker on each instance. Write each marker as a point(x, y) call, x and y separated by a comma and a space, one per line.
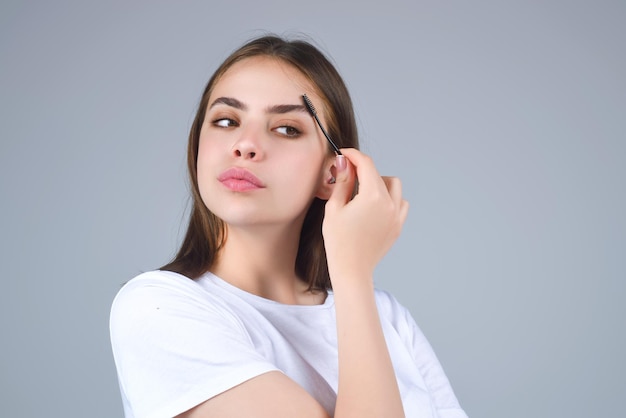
point(206, 232)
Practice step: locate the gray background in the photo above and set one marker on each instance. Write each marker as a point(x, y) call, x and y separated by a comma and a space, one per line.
point(506, 121)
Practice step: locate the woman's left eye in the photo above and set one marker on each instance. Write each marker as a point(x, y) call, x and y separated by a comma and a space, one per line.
point(224, 123)
point(288, 131)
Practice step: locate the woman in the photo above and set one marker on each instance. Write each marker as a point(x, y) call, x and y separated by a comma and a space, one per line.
point(244, 321)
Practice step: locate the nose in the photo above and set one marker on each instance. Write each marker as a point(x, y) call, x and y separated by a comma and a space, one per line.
point(246, 152)
point(248, 146)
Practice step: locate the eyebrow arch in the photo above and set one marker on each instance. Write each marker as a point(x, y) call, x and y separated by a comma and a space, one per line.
point(286, 108)
point(229, 101)
point(275, 109)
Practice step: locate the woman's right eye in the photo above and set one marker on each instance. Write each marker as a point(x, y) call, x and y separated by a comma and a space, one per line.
point(224, 123)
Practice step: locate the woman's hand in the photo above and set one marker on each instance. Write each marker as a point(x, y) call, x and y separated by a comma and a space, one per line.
point(359, 231)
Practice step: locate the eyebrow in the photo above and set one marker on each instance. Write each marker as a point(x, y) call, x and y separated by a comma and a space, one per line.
point(275, 109)
point(286, 108)
point(229, 101)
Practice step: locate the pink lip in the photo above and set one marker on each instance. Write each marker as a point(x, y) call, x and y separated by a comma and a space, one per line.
point(239, 180)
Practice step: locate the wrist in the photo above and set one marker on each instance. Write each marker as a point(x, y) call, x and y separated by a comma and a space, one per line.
point(351, 281)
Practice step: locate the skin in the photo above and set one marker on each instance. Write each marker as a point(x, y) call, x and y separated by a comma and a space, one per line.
point(263, 226)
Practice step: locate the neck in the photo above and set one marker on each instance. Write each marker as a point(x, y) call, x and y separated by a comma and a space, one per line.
point(261, 261)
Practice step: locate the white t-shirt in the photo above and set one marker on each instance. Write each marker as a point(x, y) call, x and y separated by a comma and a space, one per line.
point(178, 342)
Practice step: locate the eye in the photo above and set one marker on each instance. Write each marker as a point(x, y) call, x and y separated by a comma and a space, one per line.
point(288, 131)
point(224, 123)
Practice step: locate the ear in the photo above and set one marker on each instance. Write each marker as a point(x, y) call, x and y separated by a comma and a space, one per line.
point(327, 179)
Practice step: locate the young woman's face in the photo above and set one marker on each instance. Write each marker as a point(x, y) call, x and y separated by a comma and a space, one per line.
point(261, 158)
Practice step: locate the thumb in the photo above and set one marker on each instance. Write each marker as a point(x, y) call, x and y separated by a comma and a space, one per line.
point(344, 181)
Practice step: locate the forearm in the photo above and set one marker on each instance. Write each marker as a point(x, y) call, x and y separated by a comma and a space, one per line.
point(367, 382)
point(358, 230)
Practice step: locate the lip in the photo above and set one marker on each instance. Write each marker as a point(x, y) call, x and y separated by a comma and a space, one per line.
point(239, 180)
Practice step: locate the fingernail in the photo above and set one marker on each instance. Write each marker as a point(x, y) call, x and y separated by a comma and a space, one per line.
point(341, 163)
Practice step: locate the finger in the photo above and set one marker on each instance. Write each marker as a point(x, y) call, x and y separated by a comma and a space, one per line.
point(404, 210)
point(394, 187)
point(344, 182)
point(365, 170)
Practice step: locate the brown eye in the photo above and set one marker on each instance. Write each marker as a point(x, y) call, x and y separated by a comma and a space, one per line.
point(224, 123)
point(288, 131)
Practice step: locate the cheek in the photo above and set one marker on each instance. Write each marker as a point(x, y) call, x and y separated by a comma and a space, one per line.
point(306, 170)
point(204, 164)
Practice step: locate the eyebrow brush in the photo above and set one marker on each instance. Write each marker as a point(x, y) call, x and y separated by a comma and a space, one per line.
point(311, 108)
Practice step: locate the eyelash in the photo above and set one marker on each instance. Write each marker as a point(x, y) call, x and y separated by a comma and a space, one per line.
point(291, 131)
point(295, 132)
point(231, 123)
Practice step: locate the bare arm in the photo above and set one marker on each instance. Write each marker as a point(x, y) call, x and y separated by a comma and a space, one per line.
point(357, 234)
point(269, 395)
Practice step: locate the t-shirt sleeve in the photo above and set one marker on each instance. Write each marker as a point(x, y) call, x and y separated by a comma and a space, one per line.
point(175, 346)
point(433, 375)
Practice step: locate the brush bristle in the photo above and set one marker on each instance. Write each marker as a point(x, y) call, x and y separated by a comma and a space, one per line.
point(308, 104)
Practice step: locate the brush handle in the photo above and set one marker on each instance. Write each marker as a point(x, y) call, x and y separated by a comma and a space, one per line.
point(332, 144)
point(311, 108)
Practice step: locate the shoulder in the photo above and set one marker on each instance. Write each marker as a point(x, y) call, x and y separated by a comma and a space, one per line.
point(176, 343)
point(159, 286)
point(388, 305)
point(405, 329)
point(153, 282)
point(149, 291)
point(395, 315)
point(160, 299)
